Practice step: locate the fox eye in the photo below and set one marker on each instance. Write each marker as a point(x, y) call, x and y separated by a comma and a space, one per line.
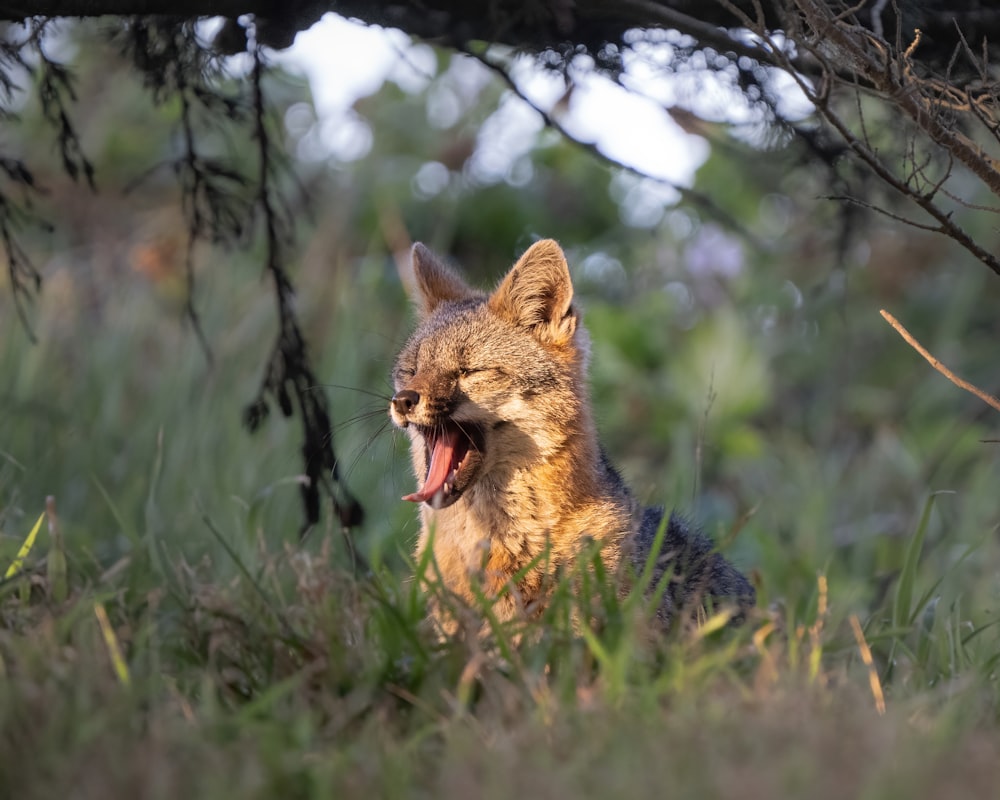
point(468, 372)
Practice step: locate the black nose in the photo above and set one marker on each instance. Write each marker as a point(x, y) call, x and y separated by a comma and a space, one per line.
point(404, 401)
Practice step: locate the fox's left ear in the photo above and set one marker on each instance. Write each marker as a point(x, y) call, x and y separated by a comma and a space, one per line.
point(434, 283)
point(538, 293)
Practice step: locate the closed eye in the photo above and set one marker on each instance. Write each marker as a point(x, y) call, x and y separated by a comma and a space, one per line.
point(467, 372)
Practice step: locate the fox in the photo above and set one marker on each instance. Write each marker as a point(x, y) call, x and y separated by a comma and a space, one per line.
point(513, 482)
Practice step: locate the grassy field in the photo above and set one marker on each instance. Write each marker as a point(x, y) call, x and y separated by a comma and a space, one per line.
point(253, 664)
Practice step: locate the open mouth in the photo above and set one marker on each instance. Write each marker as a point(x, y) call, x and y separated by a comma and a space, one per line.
point(454, 455)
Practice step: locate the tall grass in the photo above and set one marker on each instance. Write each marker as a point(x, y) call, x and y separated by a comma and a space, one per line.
point(256, 665)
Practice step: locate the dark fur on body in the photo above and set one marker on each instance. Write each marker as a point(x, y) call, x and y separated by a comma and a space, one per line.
point(492, 390)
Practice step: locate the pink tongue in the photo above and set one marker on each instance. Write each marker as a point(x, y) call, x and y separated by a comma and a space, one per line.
point(442, 455)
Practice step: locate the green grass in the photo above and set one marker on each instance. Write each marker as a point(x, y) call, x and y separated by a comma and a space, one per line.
point(299, 679)
point(262, 666)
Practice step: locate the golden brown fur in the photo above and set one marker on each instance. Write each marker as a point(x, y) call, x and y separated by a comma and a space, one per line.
point(495, 387)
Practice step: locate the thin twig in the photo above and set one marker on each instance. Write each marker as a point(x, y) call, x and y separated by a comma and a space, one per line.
point(196, 223)
point(692, 196)
point(289, 370)
point(189, 308)
point(857, 201)
point(863, 149)
point(962, 384)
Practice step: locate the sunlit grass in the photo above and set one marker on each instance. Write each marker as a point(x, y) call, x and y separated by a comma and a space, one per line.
point(306, 679)
point(25, 549)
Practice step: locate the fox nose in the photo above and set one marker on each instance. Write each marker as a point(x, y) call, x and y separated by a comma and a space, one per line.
point(404, 401)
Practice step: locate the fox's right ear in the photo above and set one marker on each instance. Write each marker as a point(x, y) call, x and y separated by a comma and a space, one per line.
point(434, 283)
point(538, 294)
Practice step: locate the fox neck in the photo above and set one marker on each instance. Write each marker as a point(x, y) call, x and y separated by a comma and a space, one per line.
point(543, 511)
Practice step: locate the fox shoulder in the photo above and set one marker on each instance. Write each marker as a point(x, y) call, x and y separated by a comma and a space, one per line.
point(697, 569)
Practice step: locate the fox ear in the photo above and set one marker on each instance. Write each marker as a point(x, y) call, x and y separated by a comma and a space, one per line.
point(434, 283)
point(538, 294)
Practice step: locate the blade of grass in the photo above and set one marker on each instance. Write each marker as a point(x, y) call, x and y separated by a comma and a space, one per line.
point(56, 560)
point(268, 602)
point(113, 508)
point(152, 535)
point(866, 658)
point(111, 643)
point(902, 610)
point(716, 622)
point(26, 546)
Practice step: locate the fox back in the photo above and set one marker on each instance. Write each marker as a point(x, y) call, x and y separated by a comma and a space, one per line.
point(513, 482)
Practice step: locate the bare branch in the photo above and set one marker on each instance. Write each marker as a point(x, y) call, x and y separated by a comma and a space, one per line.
point(857, 201)
point(877, 72)
point(962, 384)
point(903, 91)
point(692, 196)
point(55, 91)
point(289, 371)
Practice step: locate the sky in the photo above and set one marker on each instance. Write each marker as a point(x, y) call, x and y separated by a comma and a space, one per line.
point(628, 122)
point(345, 61)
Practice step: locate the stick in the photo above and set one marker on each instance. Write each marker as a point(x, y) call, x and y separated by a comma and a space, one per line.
point(984, 396)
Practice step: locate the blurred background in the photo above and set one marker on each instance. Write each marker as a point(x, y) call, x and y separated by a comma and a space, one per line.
point(741, 372)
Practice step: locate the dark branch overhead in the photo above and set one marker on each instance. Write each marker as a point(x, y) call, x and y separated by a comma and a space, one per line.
point(539, 24)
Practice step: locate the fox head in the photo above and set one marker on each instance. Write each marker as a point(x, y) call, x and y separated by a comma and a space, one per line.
point(489, 384)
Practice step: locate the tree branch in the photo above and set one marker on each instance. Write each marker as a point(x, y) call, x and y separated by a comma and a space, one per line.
point(537, 26)
point(688, 195)
point(830, 41)
point(986, 397)
point(289, 372)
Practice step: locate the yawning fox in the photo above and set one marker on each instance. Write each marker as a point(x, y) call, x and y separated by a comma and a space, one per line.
point(513, 482)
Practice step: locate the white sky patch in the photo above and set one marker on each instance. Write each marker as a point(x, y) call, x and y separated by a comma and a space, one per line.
point(792, 101)
point(458, 90)
point(626, 126)
point(507, 135)
point(644, 72)
point(345, 61)
point(633, 130)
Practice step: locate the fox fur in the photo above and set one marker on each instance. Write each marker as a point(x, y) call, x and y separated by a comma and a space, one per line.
point(513, 482)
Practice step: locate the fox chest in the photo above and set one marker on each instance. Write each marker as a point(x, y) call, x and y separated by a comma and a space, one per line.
point(470, 550)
